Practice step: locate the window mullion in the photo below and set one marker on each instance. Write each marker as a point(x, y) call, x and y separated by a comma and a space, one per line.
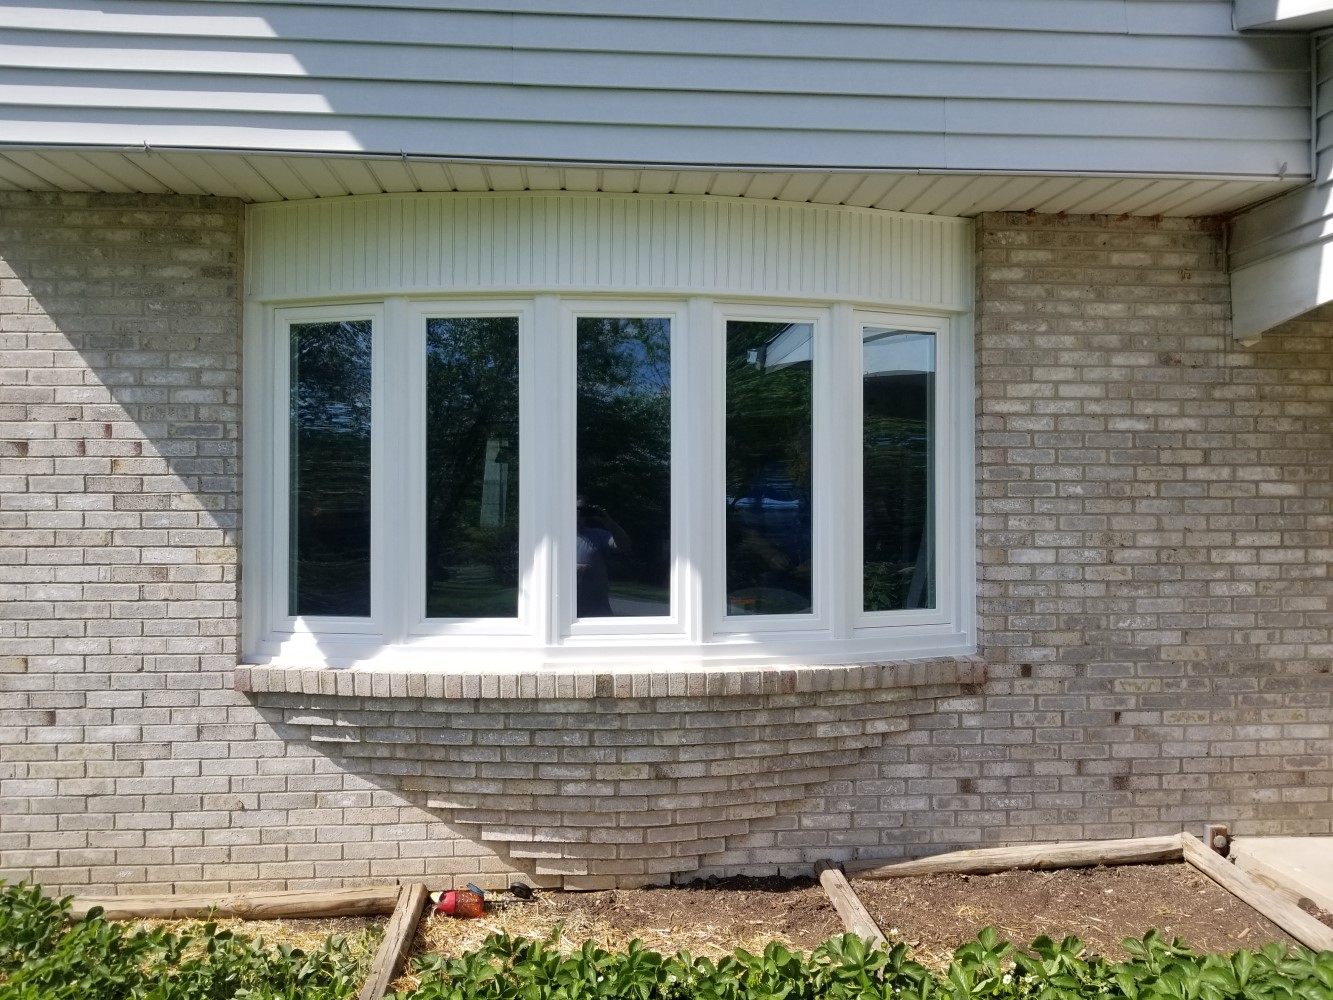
point(696, 463)
point(838, 507)
point(546, 393)
point(396, 463)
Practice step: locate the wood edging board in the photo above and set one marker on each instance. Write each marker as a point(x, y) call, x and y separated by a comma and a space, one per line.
point(1271, 878)
point(1284, 883)
point(855, 917)
point(1040, 857)
point(1286, 914)
point(397, 940)
point(246, 905)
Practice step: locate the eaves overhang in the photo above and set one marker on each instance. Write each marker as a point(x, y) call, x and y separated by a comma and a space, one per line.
point(269, 176)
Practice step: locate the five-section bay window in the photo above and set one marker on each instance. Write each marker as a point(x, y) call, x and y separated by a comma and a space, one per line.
point(518, 445)
point(555, 478)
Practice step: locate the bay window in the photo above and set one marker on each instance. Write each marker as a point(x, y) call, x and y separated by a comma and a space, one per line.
point(508, 477)
point(556, 479)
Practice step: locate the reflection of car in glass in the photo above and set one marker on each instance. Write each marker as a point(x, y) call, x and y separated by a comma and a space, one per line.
point(770, 495)
point(767, 503)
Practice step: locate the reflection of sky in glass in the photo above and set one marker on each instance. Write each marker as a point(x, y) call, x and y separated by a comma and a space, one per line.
point(646, 357)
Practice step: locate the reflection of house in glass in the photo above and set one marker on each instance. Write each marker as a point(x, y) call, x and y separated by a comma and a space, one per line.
point(790, 346)
point(495, 483)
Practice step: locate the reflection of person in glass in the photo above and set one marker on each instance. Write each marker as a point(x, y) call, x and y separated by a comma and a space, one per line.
point(598, 537)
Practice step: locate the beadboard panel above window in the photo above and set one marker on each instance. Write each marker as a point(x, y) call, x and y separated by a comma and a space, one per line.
point(413, 244)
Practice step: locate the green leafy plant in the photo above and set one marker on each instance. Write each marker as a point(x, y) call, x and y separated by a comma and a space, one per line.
point(847, 968)
point(42, 957)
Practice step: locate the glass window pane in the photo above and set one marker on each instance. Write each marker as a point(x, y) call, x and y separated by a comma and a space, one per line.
point(769, 395)
point(623, 532)
point(472, 467)
point(329, 555)
point(898, 389)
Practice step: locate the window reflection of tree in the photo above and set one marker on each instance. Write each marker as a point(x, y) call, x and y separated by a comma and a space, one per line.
point(624, 448)
point(472, 467)
point(330, 421)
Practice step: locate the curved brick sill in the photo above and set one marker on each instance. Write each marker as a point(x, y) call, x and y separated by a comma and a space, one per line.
point(596, 779)
point(601, 683)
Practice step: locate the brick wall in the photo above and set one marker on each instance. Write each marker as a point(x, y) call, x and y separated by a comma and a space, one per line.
point(1154, 541)
point(127, 760)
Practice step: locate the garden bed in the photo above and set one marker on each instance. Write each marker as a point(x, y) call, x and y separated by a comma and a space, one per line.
point(748, 938)
point(710, 919)
point(932, 914)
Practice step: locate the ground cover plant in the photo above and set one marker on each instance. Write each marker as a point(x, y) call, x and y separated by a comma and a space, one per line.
point(846, 968)
point(45, 957)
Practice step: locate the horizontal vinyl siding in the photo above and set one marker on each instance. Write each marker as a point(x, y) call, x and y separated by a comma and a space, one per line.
point(1281, 253)
point(1105, 86)
point(604, 243)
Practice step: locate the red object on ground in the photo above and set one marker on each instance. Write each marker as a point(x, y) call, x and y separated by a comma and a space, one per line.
point(461, 903)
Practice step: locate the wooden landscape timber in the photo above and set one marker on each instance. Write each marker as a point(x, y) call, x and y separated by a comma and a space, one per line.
point(1291, 866)
point(1037, 857)
point(247, 905)
point(397, 940)
point(1286, 914)
point(855, 917)
point(1271, 878)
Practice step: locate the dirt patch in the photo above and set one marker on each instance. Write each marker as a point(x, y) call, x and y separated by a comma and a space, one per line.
point(935, 914)
point(709, 919)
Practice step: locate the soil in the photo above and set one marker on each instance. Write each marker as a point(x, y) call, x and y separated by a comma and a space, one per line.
point(934, 914)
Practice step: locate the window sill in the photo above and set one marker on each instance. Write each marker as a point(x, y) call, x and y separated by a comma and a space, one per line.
point(638, 682)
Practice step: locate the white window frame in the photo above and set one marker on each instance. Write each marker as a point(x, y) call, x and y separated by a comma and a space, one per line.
point(411, 590)
point(545, 631)
point(823, 557)
point(601, 631)
point(368, 629)
point(945, 483)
